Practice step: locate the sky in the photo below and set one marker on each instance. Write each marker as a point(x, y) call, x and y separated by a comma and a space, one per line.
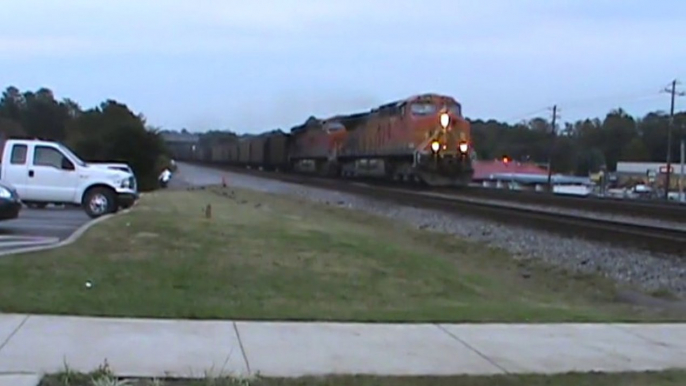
point(253, 66)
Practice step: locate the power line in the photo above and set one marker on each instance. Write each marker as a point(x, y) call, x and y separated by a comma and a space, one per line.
point(519, 117)
point(610, 98)
point(646, 94)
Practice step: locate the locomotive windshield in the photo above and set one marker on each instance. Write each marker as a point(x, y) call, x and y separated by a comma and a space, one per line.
point(428, 108)
point(423, 109)
point(334, 127)
point(456, 109)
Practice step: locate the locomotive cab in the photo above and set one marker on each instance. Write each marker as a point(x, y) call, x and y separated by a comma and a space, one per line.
point(443, 155)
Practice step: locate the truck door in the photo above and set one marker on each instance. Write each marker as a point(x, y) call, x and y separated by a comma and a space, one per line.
point(15, 172)
point(52, 176)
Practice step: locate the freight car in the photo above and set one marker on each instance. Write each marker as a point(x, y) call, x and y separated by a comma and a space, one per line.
point(256, 156)
point(276, 151)
point(423, 138)
point(244, 150)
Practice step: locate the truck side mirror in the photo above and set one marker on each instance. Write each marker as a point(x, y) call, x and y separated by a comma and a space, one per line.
point(66, 164)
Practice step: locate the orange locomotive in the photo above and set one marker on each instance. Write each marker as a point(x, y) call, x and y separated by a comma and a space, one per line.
point(424, 138)
point(316, 145)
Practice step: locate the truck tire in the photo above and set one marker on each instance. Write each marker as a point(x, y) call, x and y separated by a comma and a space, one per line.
point(99, 202)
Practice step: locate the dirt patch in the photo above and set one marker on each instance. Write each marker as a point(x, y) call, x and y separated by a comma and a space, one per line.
point(147, 235)
point(640, 299)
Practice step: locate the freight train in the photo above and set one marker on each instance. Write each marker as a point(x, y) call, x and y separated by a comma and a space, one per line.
point(421, 139)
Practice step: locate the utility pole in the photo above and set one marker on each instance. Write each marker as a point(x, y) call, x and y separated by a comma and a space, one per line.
point(552, 148)
point(681, 172)
point(669, 135)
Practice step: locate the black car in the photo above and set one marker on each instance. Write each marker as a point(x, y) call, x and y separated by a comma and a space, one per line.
point(10, 203)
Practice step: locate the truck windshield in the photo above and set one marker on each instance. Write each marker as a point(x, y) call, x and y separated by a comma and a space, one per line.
point(73, 156)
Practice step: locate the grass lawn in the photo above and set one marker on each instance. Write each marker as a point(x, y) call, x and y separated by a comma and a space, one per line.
point(264, 256)
point(667, 378)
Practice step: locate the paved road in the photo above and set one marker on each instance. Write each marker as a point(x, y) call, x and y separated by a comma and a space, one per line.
point(36, 227)
point(188, 174)
point(40, 226)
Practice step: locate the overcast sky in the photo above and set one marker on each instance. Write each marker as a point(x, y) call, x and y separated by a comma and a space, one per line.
point(259, 64)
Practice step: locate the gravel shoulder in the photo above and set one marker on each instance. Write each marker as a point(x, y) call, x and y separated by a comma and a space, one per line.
point(660, 275)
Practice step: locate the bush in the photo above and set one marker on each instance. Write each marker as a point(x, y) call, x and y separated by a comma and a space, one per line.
point(113, 133)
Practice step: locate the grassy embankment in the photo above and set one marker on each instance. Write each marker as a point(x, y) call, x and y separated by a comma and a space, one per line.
point(263, 256)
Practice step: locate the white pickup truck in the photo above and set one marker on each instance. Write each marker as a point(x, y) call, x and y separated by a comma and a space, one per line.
point(45, 172)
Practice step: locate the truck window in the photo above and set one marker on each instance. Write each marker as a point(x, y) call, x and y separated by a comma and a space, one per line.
point(70, 154)
point(18, 156)
point(47, 156)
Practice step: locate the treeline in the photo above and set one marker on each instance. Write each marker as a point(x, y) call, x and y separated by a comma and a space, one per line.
point(584, 146)
point(109, 132)
point(112, 132)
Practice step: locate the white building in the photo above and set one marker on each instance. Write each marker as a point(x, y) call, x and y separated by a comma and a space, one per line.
point(643, 169)
point(654, 174)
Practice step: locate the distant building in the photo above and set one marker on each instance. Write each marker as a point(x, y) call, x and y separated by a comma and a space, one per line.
point(485, 170)
point(653, 173)
point(643, 168)
point(527, 176)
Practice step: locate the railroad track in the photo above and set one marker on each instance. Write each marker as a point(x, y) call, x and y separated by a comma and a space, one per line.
point(643, 236)
point(649, 209)
point(673, 212)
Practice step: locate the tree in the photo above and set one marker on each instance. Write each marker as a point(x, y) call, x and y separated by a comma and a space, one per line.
point(12, 104)
point(635, 151)
point(109, 132)
point(564, 156)
point(618, 130)
point(44, 116)
point(112, 132)
point(589, 161)
point(10, 128)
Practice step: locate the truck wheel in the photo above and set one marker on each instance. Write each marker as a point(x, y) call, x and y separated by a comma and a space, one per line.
point(99, 201)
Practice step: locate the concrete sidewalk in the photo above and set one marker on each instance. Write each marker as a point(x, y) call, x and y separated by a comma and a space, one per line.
point(156, 348)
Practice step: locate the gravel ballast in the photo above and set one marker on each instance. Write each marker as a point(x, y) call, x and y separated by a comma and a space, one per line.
point(650, 271)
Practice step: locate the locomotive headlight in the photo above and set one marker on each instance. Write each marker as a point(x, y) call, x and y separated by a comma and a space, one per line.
point(445, 120)
point(464, 146)
point(435, 146)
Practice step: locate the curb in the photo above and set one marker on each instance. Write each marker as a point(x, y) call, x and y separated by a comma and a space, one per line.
point(19, 379)
point(69, 240)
